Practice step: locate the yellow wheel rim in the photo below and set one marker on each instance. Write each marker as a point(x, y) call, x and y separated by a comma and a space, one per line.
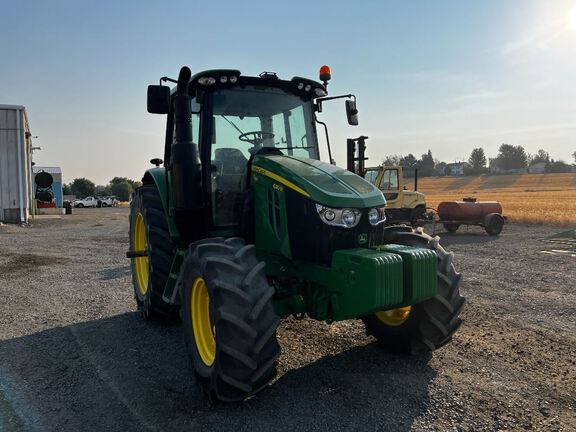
point(202, 325)
point(141, 264)
point(395, 317)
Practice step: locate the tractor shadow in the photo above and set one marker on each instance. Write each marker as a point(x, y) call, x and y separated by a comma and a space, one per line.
point(122, 374)
point(466, 238)
point(116, 272)
point(465, 235)
point(362, 388)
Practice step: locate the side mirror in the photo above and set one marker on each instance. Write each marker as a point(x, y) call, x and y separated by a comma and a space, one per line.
point(351, 112)
point(158, 100)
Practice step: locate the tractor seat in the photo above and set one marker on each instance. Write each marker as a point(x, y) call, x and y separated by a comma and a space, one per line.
point(231, 160)
point(230, 181)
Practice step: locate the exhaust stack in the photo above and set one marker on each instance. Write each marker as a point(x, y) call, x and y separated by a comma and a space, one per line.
point(186, 165)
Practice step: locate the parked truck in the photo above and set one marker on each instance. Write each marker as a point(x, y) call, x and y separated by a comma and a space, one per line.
point(402, 204)
point(85, 202)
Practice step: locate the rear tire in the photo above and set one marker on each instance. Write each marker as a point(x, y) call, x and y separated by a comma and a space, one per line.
point(241, 354)
point(161, 249)
point(431, 323)
point(493, 224)
point(79, 205)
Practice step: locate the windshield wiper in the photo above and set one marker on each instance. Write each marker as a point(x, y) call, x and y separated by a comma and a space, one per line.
point(232, 123)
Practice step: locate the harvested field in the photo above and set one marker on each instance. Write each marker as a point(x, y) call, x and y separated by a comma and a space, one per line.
point(76, 356)
point(526, 198)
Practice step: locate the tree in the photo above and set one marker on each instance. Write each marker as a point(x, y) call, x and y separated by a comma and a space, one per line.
point(439, 167)
point(133, 183)
point(82, 187)
point(511, 157)
point(122, 190)
point(103, 190)
point(540, 156)
point(118, 180)
point(391, 160)
point(559, 167)
point(409, 162)
point(477, 160)
point(66, 189)
point(426, 164)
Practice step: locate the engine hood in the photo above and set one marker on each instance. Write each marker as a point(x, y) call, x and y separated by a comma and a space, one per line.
point(323, 183)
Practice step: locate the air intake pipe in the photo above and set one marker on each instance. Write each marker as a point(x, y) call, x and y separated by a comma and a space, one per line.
point(186, 167)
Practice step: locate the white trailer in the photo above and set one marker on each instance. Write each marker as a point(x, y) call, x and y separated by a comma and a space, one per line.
point(15, 164)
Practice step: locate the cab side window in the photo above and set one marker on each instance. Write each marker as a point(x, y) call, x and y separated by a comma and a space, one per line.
point(389, 180)
point(371, 176)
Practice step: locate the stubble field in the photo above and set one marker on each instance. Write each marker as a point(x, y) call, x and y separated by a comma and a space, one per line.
point(525, 198)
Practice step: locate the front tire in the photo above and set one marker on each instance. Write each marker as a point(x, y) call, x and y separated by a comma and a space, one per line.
point(428, 325)
point(149, 232)
point(228, 318)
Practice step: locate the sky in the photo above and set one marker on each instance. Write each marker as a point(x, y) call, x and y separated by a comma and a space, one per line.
point(444, 75)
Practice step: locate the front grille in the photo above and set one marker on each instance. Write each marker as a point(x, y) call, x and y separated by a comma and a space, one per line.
point(313, 240)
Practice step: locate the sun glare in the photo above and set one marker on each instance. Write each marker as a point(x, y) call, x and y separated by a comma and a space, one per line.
point(571, 19)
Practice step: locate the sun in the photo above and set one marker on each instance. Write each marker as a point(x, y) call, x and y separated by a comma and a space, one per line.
point(571, 19)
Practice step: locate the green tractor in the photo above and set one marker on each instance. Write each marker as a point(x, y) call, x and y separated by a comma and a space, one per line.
point(241, 225)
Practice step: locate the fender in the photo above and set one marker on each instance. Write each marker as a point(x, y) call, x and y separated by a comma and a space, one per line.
point(157, 176)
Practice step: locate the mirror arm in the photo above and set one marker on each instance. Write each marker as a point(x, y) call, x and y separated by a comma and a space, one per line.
point(348, 96)
point(164, 79)
point(327, 139)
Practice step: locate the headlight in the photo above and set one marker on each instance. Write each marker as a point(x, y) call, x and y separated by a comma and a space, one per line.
point(347, 217)
point(376, 216)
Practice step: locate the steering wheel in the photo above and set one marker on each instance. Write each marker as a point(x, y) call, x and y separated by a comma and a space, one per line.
point(255, 138)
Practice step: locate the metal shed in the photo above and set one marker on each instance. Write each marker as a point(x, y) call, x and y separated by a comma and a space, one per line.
point(15, 164)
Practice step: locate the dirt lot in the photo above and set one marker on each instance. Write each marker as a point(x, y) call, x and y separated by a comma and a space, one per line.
point(74, 354)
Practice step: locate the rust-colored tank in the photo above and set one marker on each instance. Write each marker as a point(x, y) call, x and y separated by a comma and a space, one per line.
point(467, 210)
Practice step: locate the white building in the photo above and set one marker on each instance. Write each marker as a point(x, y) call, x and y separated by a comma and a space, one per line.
point(15, 164)
point(455, 168)
point(537, 168)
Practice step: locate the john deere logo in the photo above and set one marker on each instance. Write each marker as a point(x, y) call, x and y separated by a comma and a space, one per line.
point(363, 238)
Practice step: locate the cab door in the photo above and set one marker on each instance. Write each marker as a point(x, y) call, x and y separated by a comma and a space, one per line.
point(390, 186)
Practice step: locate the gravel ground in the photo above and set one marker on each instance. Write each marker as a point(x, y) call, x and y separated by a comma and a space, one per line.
point(74, 354)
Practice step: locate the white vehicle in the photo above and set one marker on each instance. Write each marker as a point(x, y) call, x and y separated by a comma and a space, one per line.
point(110, 201)
point(86, 202)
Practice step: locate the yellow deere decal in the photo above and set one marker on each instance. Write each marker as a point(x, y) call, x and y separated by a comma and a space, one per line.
point(279, 179)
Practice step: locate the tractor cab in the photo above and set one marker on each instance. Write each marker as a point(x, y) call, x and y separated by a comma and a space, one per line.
point(246, 122)
point(228, 120)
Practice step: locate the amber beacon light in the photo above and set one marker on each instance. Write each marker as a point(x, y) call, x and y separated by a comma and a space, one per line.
point(325, 74)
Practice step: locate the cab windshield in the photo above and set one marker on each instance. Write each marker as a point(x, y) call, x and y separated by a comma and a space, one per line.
point(249, 118)
point(245, 120)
